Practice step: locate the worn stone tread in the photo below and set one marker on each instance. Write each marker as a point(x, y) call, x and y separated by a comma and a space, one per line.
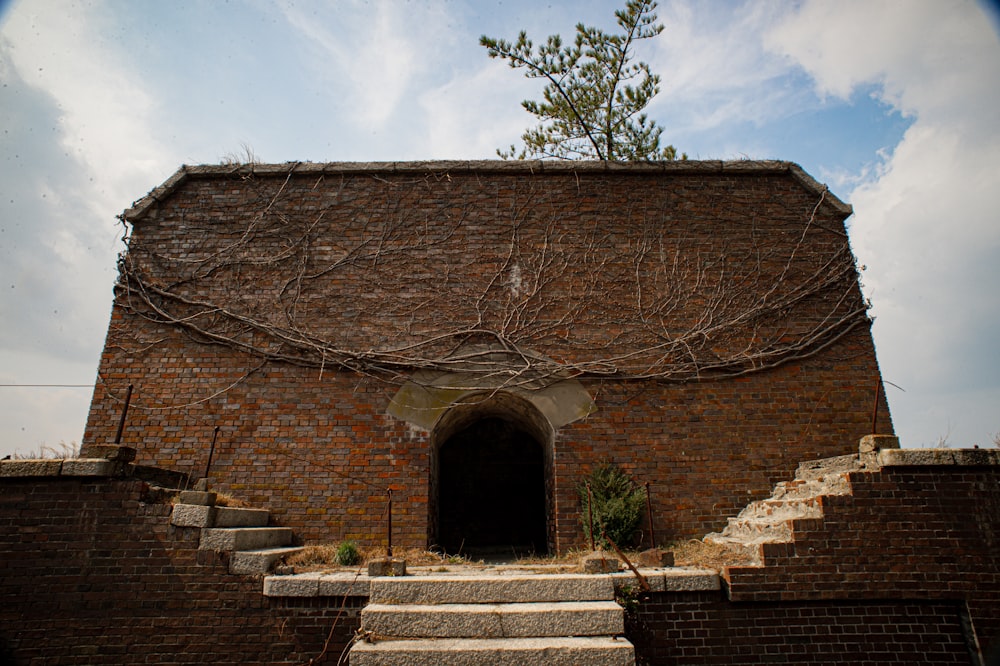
point(554, 651)
point(570, 618)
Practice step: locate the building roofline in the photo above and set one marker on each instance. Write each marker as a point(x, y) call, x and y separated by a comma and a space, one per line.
point(140, 208)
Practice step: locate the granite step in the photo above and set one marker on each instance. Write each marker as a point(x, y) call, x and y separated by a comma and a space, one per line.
point(552, 651)
point(197, 515)
point(515, 620)
point(244, 538)
point(258, 561)
point(488, 589)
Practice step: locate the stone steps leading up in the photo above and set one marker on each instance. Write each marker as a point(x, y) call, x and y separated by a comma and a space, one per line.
point(771, 520)
point(528, 619)
point(253, 546)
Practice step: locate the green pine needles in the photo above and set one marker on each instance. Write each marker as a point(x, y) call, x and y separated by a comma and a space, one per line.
point(617, 505)
point(594, 94)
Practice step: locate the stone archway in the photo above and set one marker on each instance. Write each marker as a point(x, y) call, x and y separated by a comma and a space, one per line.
point(491, 478)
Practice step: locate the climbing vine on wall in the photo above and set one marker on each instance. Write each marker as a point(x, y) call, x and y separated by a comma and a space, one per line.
point(506, 278)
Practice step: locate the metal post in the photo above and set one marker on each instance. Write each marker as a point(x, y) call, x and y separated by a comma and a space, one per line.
point(590, 512)
point(649, 516)
point(211, 451)
point(388, 548)
point(121, 423)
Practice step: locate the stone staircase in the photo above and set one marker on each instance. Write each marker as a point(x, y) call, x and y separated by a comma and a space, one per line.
point(771, 520)
point(253, 547)
point(520, 619)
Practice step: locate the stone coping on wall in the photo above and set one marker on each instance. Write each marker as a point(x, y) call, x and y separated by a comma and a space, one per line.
point(937, 457)
point(350, 584)
point(68, 467)
point(529, 167)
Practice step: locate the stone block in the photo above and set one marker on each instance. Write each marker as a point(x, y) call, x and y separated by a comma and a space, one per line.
point(301, 585)
point(387, 567)
point(192, 515)
point(655, 557)
point(600, 562)
point(91, 467)
point(30, 467)
point(196, 497)
point(110, 452)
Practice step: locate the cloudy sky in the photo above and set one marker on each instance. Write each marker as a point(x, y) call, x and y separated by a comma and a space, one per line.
point(895, 105)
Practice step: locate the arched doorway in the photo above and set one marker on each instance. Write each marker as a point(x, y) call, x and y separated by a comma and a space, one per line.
point(490, 478)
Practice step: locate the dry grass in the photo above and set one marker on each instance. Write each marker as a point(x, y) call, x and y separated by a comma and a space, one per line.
point(61, 451)
point(693, 553)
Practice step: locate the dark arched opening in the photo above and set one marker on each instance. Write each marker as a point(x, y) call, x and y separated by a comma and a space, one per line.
point(489, 480)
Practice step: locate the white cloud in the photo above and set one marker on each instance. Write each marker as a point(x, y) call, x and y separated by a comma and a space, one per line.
point(716, 71)
point(78, 146)
point(925, 223)
point(474, 114)
point(376, 50)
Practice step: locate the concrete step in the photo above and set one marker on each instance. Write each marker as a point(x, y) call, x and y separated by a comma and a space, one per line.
point(244, 538)
point(198, 515)
point(780, 510)
point(818, 469)
point(592, 651)
point(516, 620)
point(257, 561)
point(758, 530)
point(491, 589)
point(226, 516)
point(833, 484)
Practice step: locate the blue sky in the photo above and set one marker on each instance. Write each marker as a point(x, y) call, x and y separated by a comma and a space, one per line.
point(893, 104)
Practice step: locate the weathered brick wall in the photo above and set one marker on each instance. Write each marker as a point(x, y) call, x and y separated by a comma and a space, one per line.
point(90, 573)
point(577, 266)
point(914, 532)
point(705, 628)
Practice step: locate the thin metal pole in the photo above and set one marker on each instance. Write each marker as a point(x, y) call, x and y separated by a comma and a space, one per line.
point(590, 512)
point(121, 423)
point(649, 516)
point(388, 540)
point(211, 451)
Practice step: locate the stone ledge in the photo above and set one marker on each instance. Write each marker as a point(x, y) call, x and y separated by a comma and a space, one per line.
point(91, 467)
point(912, 457)
point(318, 584)
point(15, 468)
point(676, 579)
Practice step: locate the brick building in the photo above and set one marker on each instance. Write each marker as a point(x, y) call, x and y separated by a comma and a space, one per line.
point(476, 336)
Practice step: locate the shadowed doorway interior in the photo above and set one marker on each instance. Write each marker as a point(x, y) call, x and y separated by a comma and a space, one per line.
point(491, 485)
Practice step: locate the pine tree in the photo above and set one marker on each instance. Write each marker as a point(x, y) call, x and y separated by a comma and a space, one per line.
point(594, 96)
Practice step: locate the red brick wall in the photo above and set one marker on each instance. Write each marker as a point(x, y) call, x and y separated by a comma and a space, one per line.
point(916, 532)
point(92, 574)
point(705, 628)
point(315, 443)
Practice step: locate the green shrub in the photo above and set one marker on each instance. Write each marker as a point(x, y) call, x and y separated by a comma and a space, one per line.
point(618, 503)
point(347, 554)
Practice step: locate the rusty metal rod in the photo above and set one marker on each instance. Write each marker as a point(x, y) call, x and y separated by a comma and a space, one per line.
point(649, 516)
point(388, 540)
point(643, 583)
point(121, 423)
point(211, 451)
point(590, 513)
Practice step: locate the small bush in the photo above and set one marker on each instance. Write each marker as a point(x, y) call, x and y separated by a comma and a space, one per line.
point(347, 554)
point(618, 502)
